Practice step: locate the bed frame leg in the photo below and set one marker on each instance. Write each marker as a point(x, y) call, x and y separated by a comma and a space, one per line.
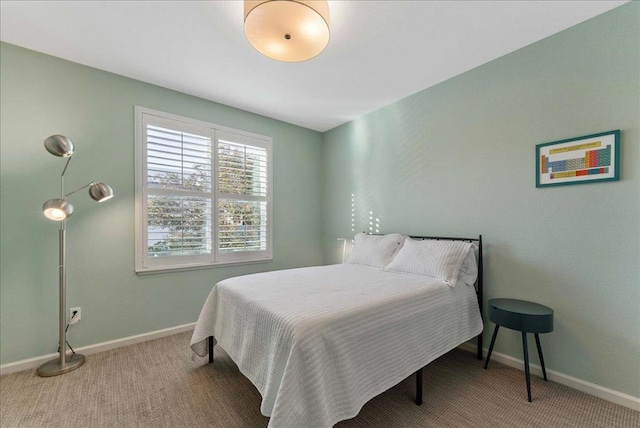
point(210, 339)
point(419, 387)
point(479, 356)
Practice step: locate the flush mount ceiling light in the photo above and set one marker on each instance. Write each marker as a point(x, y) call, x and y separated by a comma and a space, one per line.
point(287, 30)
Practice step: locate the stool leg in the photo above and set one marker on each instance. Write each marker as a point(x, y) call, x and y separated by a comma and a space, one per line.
point(419, 387)
point(525, 350)
point(544, 372)
point(493, 340)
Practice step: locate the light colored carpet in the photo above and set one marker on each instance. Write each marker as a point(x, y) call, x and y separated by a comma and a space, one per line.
point(156, 384)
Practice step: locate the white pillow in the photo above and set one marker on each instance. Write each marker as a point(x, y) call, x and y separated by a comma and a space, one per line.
point(438, 259)
point(469, 269)
point(374, 250)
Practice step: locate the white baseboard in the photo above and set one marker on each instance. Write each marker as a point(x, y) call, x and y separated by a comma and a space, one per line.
point(570, 381)
point(35, 362)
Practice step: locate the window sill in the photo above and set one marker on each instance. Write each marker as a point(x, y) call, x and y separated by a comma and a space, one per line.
point(181, 268)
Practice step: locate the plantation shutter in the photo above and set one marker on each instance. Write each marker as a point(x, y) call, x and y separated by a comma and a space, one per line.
point(203, 194)
point(242, 195)
point(179, 191)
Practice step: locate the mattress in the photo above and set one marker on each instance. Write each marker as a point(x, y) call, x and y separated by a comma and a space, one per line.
point(319, 342)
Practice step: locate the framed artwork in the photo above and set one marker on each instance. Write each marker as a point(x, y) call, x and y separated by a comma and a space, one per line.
point(579, 160)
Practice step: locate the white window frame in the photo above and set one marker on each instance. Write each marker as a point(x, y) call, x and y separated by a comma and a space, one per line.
point(146, 264)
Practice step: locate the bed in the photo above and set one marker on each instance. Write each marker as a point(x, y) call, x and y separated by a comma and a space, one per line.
point(319, 342)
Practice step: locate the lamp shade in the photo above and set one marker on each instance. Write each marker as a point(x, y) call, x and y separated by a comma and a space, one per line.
point(59, 145)
point(57, 209)
point(100, 192)
point(287, 30)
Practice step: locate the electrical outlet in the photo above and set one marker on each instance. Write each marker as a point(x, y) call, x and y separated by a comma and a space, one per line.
point(78, 311)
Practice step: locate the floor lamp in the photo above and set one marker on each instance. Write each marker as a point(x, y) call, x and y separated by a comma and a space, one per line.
point(59, 209)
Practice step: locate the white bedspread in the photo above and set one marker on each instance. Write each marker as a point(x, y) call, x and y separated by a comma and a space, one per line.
point(319, 342)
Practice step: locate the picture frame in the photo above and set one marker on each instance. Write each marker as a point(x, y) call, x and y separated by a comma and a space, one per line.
point(580, 160)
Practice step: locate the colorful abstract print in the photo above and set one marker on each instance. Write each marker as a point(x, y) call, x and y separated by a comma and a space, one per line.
point(593, 162)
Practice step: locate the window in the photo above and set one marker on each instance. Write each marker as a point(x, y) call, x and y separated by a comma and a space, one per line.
point(203, 194)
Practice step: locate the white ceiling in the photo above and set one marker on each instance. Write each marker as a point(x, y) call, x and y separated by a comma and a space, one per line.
point(379, 52)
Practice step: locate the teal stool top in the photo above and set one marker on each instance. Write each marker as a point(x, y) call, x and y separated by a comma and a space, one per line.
point(521, 315)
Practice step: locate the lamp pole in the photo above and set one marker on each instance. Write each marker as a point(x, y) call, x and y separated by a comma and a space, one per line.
point(62, 272)
point(62, 365)
point(62, 235)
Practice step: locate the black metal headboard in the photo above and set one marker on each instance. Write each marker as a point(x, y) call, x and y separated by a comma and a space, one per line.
point(478, 283)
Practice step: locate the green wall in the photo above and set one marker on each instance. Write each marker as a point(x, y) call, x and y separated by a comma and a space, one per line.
point(459, 159)
point(41, 96)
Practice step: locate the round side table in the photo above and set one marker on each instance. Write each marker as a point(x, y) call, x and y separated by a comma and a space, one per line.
point(523, 316)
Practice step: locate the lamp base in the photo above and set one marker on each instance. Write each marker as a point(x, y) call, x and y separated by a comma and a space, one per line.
point(54, 368)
